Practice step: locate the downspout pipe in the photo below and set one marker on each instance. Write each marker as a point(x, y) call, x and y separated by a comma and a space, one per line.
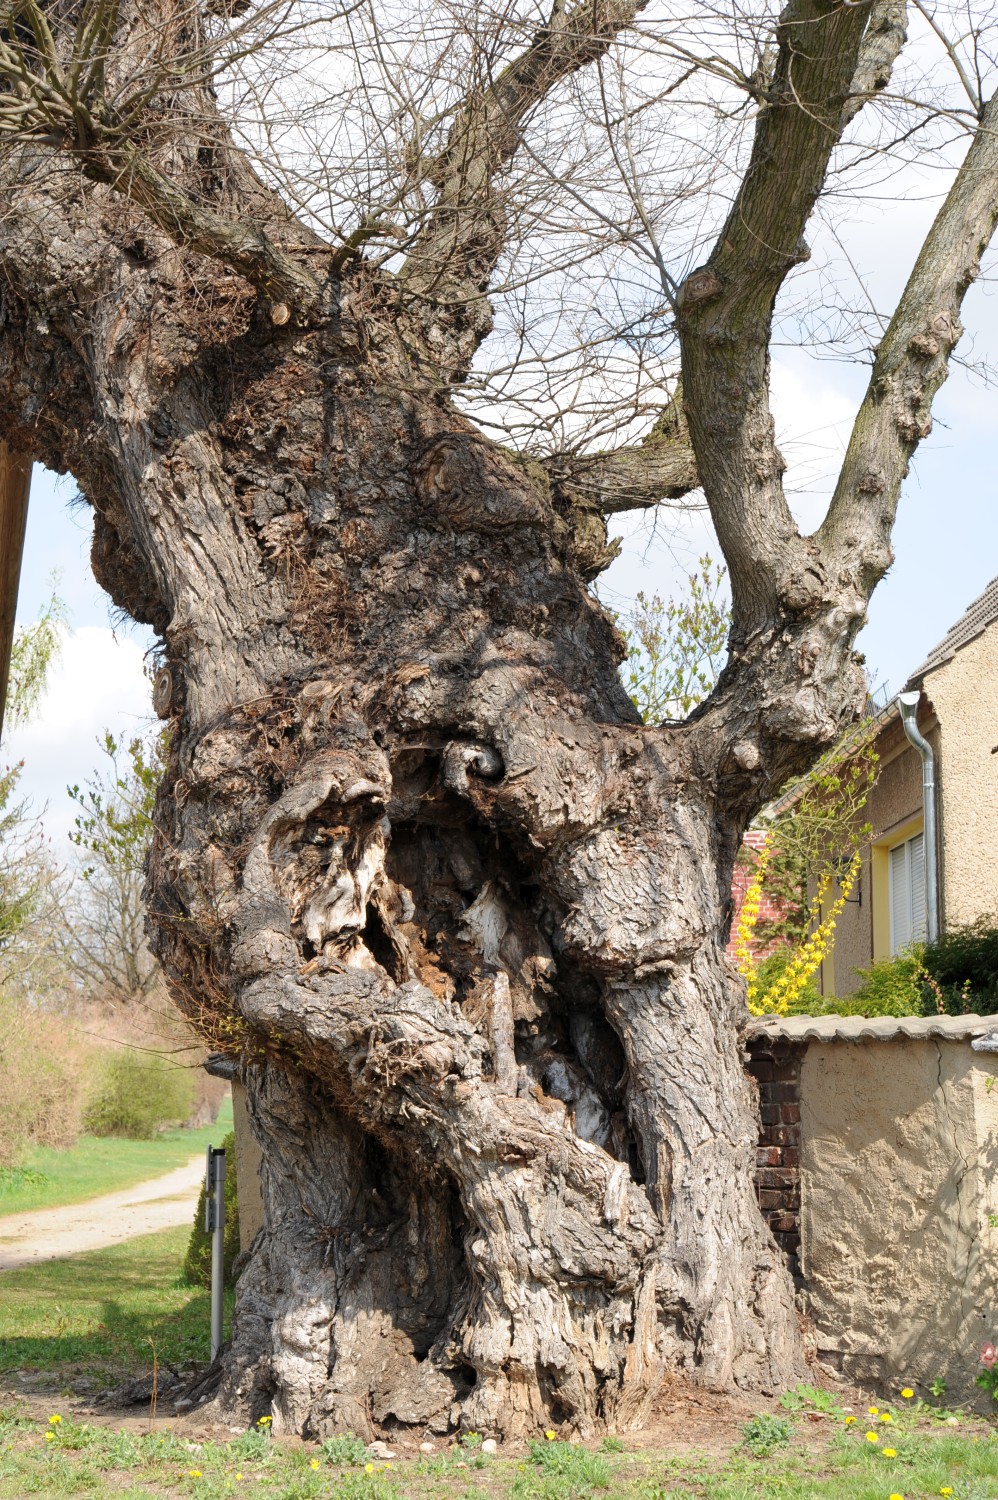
point(908, 705)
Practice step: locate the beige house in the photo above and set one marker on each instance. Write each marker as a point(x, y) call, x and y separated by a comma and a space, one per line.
point(957, 715)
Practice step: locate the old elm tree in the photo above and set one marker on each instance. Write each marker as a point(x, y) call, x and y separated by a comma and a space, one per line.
point(353, 325)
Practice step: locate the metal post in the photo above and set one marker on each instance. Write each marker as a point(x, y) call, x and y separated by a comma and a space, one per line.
point(214, 1223)
point(908, 704)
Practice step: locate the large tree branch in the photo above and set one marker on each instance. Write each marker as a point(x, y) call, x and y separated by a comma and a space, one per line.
point(882, 42)
point(912, 361)
point(455, 251)
point(661, 468)
point(725, 311)
point(288, 285)
point(55, 91)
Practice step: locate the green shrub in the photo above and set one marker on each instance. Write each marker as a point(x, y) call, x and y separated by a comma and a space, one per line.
point(957, 973)
point(135, 1094)
point(197, 1262)
point(891, 987)
point(344, 1448)
point(964, 964)
point(253, 1446)
point(571, 1461)
point(808, 1002)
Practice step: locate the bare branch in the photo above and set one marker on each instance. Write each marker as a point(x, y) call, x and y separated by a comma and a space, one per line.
point(911, 364)
point(455, 252)
point(661, 468)
point(248, 250)
point(725, 315)
point(971, 89)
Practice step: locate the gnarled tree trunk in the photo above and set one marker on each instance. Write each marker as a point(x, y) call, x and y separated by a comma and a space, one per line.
point(458, 914)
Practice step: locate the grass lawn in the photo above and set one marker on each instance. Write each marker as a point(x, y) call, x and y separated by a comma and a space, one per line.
point(102, 1165)
point(65, 1457)
point(97, 1312)
point(100, 1314)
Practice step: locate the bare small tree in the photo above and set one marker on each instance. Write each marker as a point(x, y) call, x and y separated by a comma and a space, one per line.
point(104, 940)
point(353, 330)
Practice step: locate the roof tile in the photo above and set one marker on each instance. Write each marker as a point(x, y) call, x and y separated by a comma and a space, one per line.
point(977, 617)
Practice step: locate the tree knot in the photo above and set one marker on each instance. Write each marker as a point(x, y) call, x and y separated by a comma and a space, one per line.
point(700, 286)
point(460, 758)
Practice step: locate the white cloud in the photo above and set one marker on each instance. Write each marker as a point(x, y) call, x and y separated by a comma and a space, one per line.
point(813, 421)
point(97, 684)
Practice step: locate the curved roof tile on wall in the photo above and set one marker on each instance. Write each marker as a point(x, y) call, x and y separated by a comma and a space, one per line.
point(874, 1028)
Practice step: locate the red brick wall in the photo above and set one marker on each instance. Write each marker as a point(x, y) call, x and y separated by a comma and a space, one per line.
point(775, 1066)
point(768, 910)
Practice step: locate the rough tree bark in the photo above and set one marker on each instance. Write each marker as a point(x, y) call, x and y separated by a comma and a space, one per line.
point(460, 917)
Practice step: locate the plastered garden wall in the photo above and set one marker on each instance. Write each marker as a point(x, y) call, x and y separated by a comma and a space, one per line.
point(898, 1169)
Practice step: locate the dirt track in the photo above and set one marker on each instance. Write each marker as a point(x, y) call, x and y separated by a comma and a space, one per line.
point(51, 1233)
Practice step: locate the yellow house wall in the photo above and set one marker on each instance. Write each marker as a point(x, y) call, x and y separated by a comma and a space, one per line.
point(894, 809)
point(964, 692)
point(898, 1152)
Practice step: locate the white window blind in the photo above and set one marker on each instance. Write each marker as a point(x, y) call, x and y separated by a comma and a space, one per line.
point(907, 893)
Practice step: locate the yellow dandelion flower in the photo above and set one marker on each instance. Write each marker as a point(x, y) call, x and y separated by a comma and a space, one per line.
point(550, 1435)
point(874, 1411)
point(368, 1468)
point(885, 1416)
point(947, 1489)
point(895, 1496)
point(50, 1437)
point(889, 1452)
point(314, 1464)
point(850, 1420)
point(264, 1421)
point(55, 1419)
point(873, 1437)
point(907, 1393)
point(194, 1473)
point(239, 1476)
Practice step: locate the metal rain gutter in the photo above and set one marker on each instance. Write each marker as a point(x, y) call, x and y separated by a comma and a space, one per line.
point(908, 706)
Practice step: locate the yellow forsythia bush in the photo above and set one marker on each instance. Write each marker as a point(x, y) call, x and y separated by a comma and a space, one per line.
point(779, 996)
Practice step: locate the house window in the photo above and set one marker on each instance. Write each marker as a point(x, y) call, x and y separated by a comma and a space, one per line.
point(906, 865)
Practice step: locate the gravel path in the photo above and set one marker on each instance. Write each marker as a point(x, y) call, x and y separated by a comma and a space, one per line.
point(52, 1233)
